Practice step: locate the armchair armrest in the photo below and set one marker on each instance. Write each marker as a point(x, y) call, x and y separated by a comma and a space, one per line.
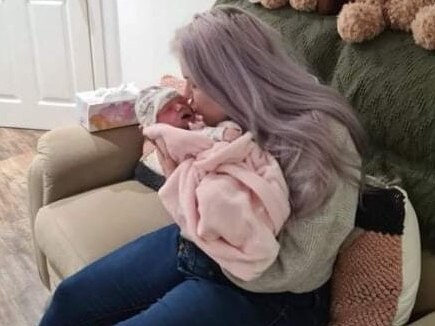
point(71, 160)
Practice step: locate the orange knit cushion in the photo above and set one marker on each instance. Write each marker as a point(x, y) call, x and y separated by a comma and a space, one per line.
point(367, 280)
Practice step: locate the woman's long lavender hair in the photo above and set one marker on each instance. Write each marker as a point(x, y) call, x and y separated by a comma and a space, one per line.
point(241, 63)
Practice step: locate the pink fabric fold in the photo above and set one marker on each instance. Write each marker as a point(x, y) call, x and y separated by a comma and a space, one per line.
point(230, 199)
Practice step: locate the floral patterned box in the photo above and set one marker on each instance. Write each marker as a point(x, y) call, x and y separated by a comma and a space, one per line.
point(107, 108)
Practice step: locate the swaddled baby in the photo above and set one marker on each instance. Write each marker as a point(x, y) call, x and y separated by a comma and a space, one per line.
point(159, 104)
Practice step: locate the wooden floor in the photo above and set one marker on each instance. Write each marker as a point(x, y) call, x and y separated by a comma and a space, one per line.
point(22, 295)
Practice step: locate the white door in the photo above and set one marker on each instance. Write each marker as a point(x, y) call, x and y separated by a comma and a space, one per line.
point(45, 57)
point(145, 22)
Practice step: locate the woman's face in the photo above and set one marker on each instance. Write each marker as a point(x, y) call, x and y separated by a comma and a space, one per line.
point(203, 104)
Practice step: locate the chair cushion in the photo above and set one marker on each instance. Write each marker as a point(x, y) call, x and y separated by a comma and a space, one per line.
point(75, 231)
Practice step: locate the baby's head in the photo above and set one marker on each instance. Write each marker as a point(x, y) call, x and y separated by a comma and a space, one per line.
point(163, 105)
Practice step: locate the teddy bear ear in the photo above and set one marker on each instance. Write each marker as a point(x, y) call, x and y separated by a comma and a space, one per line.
point(358, 22)
point(423, 27)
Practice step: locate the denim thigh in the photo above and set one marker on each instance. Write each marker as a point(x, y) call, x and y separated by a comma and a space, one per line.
point(285, 308)
point(119, 285)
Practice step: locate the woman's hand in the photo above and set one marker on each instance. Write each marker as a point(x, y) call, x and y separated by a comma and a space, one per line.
point(166, 162)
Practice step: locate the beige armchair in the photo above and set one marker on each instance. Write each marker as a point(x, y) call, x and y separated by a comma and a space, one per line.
point(84, 204)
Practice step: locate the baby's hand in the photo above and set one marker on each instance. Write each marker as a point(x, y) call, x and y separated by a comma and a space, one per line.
point(198, 124)
point(231, 134)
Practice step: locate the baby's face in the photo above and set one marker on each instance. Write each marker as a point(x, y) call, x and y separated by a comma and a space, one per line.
point(177, 112)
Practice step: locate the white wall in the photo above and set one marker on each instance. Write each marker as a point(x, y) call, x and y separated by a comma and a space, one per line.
point(145, 30)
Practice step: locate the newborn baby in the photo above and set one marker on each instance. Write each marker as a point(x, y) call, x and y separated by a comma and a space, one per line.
point(159, 104)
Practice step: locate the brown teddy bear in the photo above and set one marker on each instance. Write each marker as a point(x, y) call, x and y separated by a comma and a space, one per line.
point(326, 7)
point(364, 19)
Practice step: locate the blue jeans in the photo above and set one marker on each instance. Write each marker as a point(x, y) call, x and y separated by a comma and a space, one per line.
point(160, 279)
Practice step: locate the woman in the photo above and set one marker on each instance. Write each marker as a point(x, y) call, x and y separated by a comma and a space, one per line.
point(236, 68)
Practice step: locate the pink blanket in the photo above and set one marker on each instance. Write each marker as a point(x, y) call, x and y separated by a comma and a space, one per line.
point(230, 199)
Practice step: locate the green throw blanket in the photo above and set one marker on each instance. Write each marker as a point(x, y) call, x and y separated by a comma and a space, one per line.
point(389, 81)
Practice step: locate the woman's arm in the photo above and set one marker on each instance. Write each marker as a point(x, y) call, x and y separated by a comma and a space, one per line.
point(175, 143)
point(309, 246)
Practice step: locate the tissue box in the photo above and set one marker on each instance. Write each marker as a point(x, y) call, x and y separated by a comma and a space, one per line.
point(107, 108)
